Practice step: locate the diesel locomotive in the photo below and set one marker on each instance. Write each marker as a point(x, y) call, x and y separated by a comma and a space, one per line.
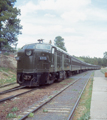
point(41, 63)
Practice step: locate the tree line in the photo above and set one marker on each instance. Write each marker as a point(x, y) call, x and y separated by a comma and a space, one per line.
point(95, 61)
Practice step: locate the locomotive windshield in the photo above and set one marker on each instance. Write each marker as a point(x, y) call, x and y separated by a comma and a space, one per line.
point(31, 46)
point(43, 46)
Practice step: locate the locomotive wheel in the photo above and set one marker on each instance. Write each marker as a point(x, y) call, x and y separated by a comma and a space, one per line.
point(50, 79)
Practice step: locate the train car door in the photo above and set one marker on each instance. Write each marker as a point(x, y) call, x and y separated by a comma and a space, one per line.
point(54, 59)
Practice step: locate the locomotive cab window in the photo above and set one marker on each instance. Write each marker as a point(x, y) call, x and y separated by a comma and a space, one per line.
point(53, 50)
point(24, 47)
point(31, 46)
point(43, 46)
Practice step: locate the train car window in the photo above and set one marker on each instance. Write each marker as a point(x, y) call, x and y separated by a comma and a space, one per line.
point(43, 46)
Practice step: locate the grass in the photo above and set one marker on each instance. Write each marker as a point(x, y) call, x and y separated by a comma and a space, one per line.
point(31, 115)
point(44, 110)
point(14, 109)
point(103, 70)
point(74, 90)
point(4, 69)
point(70, 79)
point(7, 78)
point(63, 82)
point(11, 115)
point(87, 103)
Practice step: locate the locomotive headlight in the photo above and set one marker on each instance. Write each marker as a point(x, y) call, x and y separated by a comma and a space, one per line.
point(28, 52)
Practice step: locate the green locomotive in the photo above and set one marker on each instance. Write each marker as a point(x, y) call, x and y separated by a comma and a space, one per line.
point(41, 63)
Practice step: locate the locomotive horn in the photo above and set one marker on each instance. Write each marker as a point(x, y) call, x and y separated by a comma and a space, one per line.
point(40, 40)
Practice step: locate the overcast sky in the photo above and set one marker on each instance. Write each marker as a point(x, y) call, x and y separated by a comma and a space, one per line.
point(82, 24)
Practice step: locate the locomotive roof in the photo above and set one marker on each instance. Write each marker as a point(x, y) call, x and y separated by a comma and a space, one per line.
point(52, 46)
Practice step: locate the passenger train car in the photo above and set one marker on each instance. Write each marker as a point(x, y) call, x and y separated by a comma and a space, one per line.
point(41, 63)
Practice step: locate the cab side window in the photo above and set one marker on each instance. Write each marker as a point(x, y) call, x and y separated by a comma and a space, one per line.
point(53, 50)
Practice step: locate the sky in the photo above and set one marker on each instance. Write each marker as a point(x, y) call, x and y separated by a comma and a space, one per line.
point(82, 24)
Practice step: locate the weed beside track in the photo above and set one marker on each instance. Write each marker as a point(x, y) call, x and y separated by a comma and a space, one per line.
point(7, 76)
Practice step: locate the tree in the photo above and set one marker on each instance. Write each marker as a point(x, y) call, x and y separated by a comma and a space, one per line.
point(9, 24)
point(59, 42)
point(105, 55)
point(105, 59)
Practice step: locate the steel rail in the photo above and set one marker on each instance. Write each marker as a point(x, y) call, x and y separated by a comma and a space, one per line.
point(48, 100)
point(76, 104)
point(12, 89)
point(7, 85)
point(10, 97)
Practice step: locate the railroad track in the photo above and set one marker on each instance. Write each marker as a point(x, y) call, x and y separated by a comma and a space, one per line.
point(11, 96)
point(7, 85)
point(50, 105)
point(12, 89)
